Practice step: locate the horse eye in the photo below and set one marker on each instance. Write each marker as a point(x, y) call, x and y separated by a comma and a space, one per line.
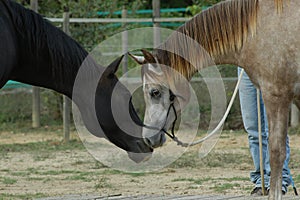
point(155, 93)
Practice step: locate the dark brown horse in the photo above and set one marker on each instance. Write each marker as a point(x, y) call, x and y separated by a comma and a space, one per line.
point(262, 36)
point(35, 52)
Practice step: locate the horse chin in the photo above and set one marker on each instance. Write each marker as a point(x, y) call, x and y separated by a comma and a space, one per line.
point(139, 157)
point(143, 154)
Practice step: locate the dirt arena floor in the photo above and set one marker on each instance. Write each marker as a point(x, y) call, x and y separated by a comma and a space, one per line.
point(37, 164)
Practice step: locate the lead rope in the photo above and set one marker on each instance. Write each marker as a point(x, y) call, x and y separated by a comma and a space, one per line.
point(184, 144)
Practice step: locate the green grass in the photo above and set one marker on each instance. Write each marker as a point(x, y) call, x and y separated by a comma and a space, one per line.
point(24, 126)
point(35, 179)
point(188, 159)
point(198, 181)
point(294, 130)
point(98, 165)
point(60, 172)
point(81, 177)
point(45, 146)
point(213, 159)
point(112, 172)
point(183, 179)
point(20, 173)
point(137, 174)
point(54, 172)
point(103, 183)
point(237, 178)
point(42, 156)
point(221, 188)
point(296, 179)
point(217, 187)
point(8, 181)
point(21, 197)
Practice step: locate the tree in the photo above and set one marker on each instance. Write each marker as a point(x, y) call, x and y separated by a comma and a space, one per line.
point(199, 5)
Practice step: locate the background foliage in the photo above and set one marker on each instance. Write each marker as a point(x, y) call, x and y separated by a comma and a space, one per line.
point(16, 109)
point(91, 34)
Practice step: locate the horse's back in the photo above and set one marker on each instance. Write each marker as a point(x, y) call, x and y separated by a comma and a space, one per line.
point(277, 32)
point(282, 26)
point(8, 43)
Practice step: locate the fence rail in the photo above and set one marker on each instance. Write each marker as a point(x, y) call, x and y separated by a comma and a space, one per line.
point(15, 84)
point(141, 20)
point(120, 20)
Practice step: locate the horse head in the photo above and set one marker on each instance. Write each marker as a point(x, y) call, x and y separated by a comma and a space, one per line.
point(165, 94)
point(97, 114)
point(110, 94)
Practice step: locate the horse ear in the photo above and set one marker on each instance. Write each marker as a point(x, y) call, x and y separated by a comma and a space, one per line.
point(148, 56)
point(113, 67)
point(138, 59)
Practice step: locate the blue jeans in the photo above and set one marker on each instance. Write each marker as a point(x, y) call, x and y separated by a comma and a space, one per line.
point(248, 102)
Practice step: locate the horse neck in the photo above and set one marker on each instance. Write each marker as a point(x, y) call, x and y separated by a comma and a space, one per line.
point(195, 58)
point(50, 68)
point(47, 57)
point(215, 35)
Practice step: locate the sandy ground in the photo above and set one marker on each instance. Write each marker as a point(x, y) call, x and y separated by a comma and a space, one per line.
point(37, 173)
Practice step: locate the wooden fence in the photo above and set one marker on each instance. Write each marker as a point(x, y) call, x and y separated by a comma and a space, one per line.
point(156, 19)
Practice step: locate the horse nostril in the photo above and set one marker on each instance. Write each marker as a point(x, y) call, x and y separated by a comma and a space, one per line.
point(155, 141)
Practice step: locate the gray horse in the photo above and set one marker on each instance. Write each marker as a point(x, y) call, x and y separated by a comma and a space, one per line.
point(262, 36)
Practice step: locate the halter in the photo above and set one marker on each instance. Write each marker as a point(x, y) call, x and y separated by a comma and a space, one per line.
point(172, 134)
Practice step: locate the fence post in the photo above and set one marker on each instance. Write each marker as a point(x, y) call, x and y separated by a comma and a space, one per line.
point(124, 40)
point(36, 109)
point(67, 102)
point(156, 25)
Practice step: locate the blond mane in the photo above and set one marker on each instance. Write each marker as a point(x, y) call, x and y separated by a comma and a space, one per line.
point(279, 5)
point(220, 29)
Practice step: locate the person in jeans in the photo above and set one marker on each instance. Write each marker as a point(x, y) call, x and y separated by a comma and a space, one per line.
point(248, 103)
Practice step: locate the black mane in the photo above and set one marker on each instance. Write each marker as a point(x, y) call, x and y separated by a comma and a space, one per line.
point(42, 39)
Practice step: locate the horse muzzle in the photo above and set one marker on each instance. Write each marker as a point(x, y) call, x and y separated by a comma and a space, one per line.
point(154, 140)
